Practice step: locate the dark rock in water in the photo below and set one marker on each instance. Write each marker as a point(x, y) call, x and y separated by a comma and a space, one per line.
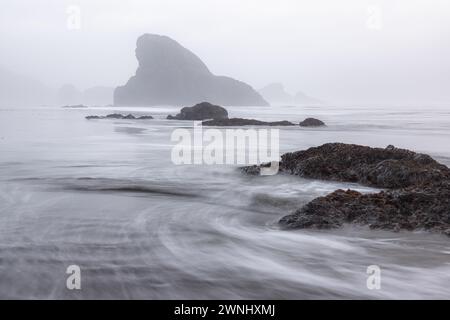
point(144, 118)
point(311, 122)
point(418, 195)
point(201, 111)
point(376, 167)
point(412, 208)
point(244, 122)
point(115, 116)
point(119, 116)
point(169, 74)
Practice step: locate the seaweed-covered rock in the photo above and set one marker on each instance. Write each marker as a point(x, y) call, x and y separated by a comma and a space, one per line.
point(376, 167)
point(412, 208)
point(417, 195)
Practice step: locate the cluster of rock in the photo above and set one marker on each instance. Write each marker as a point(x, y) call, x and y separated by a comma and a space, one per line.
point(120, 116)
point(218, 116)
point(211, 115)
point(417, 194)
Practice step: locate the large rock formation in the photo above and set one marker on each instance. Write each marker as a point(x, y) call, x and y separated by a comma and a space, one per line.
point(417, 195)
point(169, 74)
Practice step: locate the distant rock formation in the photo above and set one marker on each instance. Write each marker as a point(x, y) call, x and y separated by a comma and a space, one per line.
point(244, 122)
point(75, 106)
point(21, 91)
point(303, 99)
point(68, 94)
point(311, 122)
point(275, 93)
point(201, 111)
point(98, 96)
point(120, 116)
point(169, 74)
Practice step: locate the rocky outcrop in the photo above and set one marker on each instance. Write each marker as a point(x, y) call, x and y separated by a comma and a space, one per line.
point(120, 116)
point(417, 195)
point(169, 74)
point(311, 122)
point(413, 208)
point(275, 93)
point(244, 122)
point(201, 111)
point(376, 167)
point(68, 94)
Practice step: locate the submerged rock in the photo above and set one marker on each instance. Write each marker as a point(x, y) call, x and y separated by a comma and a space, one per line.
point(120, 116)
point(418, 195)
point(311, 122)
point(244, 122)
point(201, 111)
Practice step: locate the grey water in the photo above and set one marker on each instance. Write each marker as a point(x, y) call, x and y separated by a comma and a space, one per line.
point(105, 195)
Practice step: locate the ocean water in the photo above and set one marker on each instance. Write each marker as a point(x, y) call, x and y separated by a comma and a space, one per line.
point(105, 195)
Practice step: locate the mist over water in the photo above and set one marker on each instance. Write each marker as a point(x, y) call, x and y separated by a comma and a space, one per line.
point(105, 195)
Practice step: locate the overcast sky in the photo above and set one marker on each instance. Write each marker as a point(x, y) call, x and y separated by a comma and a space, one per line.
point(347, 51)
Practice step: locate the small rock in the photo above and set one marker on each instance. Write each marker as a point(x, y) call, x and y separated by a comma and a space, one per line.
point(201, 111)
point(311, 122)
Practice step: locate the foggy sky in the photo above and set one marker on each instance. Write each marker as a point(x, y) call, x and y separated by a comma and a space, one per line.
point(348, 51)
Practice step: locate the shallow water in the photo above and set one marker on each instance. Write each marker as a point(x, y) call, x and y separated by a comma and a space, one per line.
point(105, 195)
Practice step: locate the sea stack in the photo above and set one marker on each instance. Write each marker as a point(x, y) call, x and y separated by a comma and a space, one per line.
point(169, 74)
